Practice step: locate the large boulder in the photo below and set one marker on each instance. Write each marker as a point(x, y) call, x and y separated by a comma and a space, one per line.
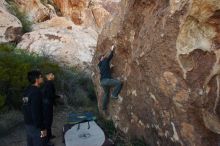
point(3, 4)
point(10, 26)
point(62, 41)
point(36, 10)
point(167, 55)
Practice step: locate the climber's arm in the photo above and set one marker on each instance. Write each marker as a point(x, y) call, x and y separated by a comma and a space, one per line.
point(111, 54)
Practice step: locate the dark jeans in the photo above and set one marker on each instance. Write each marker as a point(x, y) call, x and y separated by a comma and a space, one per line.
point(106, 85)
point(48, 119)
point(33, 136)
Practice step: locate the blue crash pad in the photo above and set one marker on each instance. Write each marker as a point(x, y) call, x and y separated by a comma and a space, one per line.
point(75, 118)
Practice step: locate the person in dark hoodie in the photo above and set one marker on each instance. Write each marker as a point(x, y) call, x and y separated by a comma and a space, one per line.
point(49, 94)
point(106, 79)
point(32, 109)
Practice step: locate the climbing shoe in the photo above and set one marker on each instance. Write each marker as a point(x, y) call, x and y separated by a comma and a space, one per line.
point(114, 97)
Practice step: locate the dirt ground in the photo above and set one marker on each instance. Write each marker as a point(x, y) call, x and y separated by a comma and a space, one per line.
point(17, 136)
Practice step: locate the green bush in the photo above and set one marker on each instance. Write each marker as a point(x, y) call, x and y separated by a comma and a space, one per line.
point(86, 83)
point(15, 64)
point(26, 23)
point(80, 98)
point(77, 87)
point(2, 100)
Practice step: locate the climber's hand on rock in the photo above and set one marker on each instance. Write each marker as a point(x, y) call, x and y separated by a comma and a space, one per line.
point(112, 48)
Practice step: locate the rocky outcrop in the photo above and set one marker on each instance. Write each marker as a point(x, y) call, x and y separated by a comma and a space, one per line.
point(3, 4)
point(88, 13)
point(62, 41)
point(58, 37)
point(36, 10)
point(10, 26)
point(167, 55)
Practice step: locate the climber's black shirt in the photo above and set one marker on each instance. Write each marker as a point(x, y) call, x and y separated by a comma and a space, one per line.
point(104, 67)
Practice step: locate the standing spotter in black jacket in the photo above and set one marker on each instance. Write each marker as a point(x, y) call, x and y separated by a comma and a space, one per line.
point(33, 114)
point(49, 93)
point(32, 109)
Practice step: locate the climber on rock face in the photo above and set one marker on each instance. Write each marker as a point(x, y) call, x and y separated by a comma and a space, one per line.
point(106, 79)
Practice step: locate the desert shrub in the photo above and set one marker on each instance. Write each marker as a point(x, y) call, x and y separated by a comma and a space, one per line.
point(77, 87)
point(80, 98)
point(2, 101)
point(15, 64)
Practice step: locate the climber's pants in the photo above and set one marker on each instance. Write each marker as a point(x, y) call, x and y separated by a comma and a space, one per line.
point(106, 85)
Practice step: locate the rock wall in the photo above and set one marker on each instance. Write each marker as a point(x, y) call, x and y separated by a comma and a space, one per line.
point(10, 26)
point(36, 10)
point(88, 13)
point(167, 56)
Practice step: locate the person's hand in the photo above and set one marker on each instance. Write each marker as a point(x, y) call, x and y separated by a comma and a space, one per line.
point(112, 48)
point(43, 133)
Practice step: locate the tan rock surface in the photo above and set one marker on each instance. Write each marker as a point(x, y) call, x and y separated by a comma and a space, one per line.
point(62, 41)
point(167, 56)
point(36, 10)
point(88, 13)
point(10, 26)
